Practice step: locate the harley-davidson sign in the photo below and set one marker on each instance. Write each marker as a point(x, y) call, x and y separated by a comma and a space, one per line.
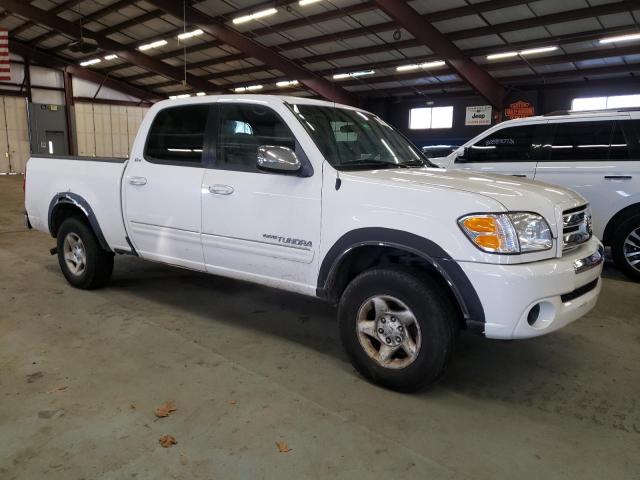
point(519, 109)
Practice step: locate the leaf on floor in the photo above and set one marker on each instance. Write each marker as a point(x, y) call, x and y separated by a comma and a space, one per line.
point(282, 447)
point(165, 409)
point(167, 441)
point(232, 402)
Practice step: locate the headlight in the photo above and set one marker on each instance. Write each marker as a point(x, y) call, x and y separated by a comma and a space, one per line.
point(516, 232)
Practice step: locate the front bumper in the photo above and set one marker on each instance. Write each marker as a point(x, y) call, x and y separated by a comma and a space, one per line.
point(532, 299)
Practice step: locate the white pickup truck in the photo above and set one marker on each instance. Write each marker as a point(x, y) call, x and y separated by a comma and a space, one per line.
point(330, 201)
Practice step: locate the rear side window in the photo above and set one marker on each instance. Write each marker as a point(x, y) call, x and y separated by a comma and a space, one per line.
point(630, 130)
point(512, 144)
point(580, 141)
point(177, 135)
point(245, 127)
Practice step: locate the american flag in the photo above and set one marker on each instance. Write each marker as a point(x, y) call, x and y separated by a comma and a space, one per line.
point(5, 73)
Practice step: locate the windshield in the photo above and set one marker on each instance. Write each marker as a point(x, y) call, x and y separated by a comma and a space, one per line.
point(354, 140)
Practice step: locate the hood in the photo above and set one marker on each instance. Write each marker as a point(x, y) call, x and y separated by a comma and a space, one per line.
point(514, 193)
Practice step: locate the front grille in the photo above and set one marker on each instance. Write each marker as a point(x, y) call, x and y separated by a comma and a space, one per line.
point(576, 227)
point(578, 292)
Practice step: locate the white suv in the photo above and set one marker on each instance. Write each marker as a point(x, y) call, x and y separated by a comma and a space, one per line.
point(595, 153)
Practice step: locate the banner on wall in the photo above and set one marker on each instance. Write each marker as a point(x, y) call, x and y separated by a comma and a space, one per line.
point(5, 68)
point(519, 109)
point(478, 115)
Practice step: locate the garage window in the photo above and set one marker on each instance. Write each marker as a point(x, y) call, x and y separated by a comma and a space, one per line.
point(601, 103)
point(424, 118)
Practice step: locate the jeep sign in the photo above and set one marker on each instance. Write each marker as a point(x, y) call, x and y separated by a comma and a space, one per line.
point(478, 115)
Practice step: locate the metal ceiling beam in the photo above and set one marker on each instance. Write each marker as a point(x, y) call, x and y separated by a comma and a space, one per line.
point(59, 63)
point(437, 42)
point(68, 28)
point(54, 11)
point(253, 49)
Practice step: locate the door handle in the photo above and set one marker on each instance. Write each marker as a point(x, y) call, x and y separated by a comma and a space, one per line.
point(518, 175)
point(220, 189)
point(137, 181)
point(618, 177)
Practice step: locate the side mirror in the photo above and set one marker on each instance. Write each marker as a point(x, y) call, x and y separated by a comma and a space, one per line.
point(462, 155)
point(273, 158)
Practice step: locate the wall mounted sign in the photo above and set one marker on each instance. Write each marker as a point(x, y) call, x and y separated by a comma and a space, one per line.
point(478, 115)
point(519, 109)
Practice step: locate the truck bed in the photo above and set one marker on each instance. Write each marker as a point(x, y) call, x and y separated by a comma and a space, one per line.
point(96, 179)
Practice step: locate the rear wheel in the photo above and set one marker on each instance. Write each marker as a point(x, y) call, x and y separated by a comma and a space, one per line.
point(82, 260)
point(398, 327)
point(625, 247)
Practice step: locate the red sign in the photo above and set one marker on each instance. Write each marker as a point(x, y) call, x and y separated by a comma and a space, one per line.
point(5, 71)
point(519, 109)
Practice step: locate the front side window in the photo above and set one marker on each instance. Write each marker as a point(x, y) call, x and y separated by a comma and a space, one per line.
point(579, 141)
point(512, 144)
point(177, 135)
point(245, 127)
point(351, 140)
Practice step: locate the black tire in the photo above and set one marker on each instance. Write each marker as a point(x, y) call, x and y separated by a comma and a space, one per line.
point(622, 231)
point(432, 310)
point(99, 263)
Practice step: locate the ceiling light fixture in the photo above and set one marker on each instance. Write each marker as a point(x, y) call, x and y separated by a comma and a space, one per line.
point(302, 3)
point(621, 38)
point(111, 56)
point(93, 61)
point(340, 76)
point(254, 16)
point(182, 95)
point(194, 33)
point(495, 56)
point(287, 83)
point(149, 46)
point(250, 88)
point(200, 94)
point(531, 51)
point(427, 65)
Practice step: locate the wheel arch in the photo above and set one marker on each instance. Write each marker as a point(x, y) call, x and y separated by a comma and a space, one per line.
point(364, 248)
point(633, 209)
point(66, 204)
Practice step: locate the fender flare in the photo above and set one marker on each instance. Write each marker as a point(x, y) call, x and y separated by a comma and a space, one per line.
point(441, 261)
point(69, 198)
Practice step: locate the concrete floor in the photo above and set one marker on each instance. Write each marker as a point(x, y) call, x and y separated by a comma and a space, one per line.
point(82, 372)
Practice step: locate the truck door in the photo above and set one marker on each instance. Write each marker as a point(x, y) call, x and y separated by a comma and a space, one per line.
point(161, 187)
point(508, 151)
point(259, 225)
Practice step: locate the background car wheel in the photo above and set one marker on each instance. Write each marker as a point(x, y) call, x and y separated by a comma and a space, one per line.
point(398, 327)
point(625, 247)
point(82, 260)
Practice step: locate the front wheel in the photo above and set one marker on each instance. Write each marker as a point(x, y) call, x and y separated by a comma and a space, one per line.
point(625, 247)
point(82, 260)
point(398, 327)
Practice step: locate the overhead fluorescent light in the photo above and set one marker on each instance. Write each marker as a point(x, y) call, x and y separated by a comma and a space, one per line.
point(111, 56)
point(194, 33)
point(621, 38)
point(93, 61)
point(289, 83)
point(250, 88)
point(182, 95)
point(302, 3)
point(200, 94)
point(531, 51)
point(408, 68)
point(495, 56)
point(255, 16)
point(340, 76)
point(149, 46)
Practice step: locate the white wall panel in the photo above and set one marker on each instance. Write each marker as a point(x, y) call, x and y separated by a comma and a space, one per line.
point(85, 132)
point(15, 111)
point(119, 131)
point(4, 145)
point(102, 125)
